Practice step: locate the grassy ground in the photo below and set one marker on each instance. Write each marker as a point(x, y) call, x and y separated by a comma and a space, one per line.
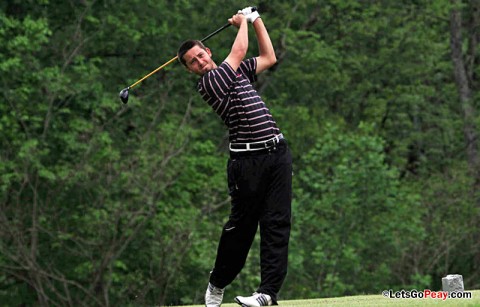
point(375, 300)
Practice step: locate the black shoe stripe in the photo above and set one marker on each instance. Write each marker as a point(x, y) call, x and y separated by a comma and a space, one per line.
point(262, 300)
point(240, 303)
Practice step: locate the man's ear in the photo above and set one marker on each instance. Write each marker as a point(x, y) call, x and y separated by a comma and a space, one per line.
point(209, 52)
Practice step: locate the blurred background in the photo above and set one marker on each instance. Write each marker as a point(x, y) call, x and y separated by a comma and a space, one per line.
point(105, 204)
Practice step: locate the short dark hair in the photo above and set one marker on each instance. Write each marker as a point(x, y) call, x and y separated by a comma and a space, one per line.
point(187, 45)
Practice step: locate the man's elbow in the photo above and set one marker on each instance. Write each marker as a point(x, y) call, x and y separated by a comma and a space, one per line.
point(272, 60)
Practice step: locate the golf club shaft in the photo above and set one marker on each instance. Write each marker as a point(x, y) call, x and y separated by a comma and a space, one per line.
point(176, 57)
point(215, 32)
point(159, 68)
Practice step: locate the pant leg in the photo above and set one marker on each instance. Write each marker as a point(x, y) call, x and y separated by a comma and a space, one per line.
point(275, 224)
point(239, 232)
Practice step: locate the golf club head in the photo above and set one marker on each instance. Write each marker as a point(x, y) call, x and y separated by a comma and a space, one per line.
point(124, 95)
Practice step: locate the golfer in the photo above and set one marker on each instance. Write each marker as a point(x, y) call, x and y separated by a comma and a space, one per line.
point(260, 166)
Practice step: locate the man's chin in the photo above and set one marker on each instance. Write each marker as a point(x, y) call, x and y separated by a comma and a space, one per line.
point(205, 70)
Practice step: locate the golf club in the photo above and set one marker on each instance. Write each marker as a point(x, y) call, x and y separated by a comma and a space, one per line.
point(124, 93)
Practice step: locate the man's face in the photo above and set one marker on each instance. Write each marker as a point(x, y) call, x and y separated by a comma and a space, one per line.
point(199, 60)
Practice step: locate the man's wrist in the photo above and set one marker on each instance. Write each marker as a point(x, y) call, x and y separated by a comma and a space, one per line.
point(259, 17)
point(253, 16)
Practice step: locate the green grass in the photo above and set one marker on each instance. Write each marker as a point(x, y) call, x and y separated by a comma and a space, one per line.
point(374, 300)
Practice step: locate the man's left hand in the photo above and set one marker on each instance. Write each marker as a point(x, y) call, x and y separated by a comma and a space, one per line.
point(251, 13)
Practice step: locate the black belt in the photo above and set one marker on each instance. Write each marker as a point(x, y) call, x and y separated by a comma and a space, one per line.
point(242, 147)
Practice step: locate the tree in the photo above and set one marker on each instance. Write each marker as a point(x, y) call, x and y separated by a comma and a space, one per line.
point(103, 203)
point(356, 219)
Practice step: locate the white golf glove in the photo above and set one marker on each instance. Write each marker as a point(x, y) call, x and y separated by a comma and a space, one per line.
point(250, 13)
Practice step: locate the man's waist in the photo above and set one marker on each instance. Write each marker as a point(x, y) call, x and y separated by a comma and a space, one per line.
point(255, 146)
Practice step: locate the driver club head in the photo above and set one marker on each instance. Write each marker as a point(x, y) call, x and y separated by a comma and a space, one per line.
point(124, 95)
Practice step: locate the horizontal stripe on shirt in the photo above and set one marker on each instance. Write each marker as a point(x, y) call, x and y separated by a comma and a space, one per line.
point(232, 96)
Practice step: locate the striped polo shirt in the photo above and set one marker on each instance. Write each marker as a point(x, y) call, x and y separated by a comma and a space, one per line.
point(232, 96)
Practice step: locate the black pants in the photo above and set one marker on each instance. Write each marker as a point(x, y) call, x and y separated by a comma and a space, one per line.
point(260, 185)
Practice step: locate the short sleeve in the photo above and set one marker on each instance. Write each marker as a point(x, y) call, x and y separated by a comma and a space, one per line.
point(248, 68)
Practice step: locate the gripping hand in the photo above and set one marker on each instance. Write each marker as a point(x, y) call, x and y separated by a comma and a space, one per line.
point(250, 13)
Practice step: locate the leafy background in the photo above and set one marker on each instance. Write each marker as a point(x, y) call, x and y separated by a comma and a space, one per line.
point(104, 204)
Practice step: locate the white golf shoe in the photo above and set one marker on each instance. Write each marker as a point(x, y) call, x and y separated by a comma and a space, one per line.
point(213, 296)
point(257, 299)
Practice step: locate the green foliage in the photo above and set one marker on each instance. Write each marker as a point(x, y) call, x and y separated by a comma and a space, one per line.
point(352, 208)
point(103, 204)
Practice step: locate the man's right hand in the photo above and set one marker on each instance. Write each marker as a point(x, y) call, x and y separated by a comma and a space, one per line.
point(237, 20)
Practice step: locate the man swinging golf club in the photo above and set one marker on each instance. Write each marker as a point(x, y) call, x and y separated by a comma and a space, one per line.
point(260, 166)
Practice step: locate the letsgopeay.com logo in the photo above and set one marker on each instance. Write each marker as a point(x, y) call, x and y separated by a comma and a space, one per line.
point(426, 294)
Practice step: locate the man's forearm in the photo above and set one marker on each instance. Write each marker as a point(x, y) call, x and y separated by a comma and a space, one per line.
point(240, 45)
point(267, 56)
